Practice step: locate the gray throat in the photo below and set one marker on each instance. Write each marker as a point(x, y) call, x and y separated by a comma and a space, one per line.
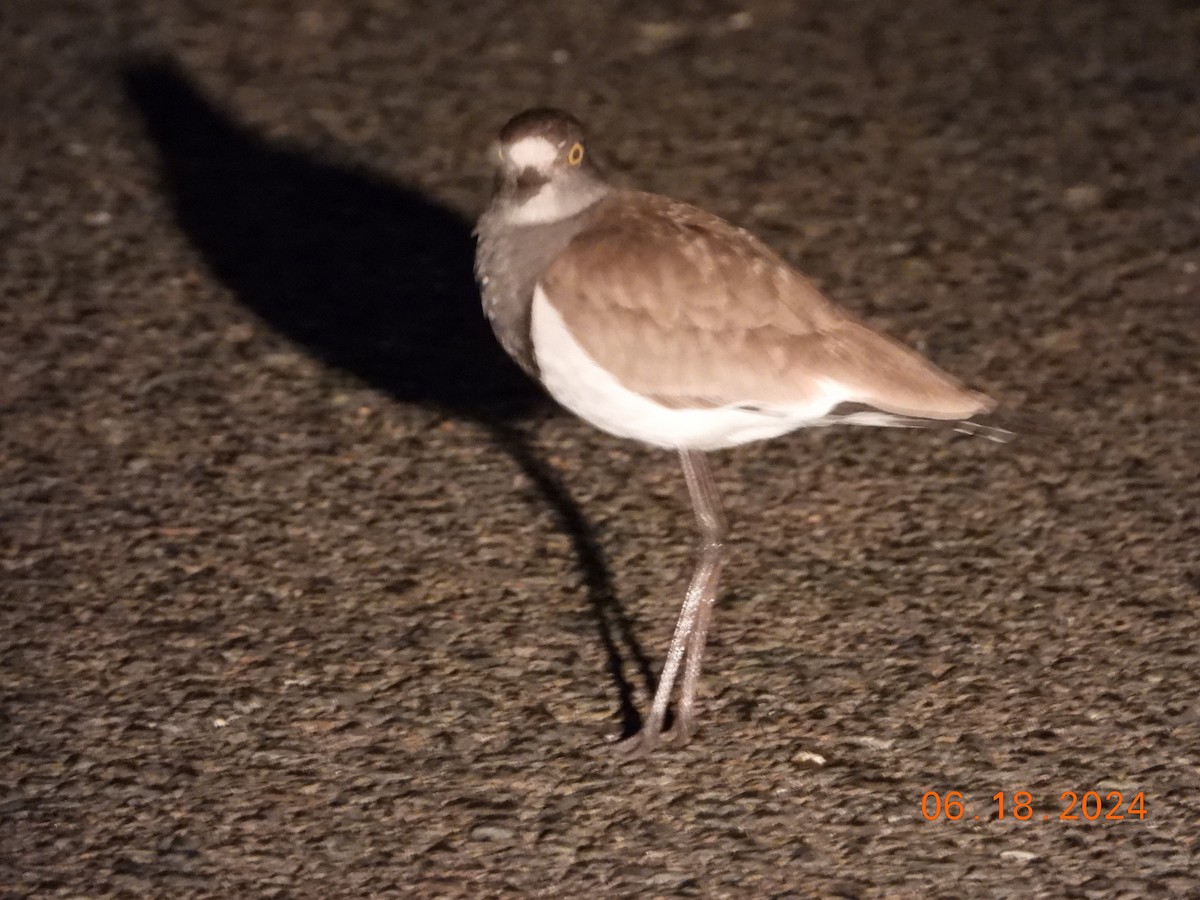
point(509, 262)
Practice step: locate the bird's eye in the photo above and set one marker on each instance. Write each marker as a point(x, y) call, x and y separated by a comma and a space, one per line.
point(575, 156)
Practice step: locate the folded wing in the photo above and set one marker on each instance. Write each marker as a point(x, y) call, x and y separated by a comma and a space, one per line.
point(700, 313)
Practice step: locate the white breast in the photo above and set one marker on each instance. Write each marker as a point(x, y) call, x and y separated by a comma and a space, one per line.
point(576, 381)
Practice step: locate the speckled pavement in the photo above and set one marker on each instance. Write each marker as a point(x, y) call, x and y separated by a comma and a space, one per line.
point(305, 592)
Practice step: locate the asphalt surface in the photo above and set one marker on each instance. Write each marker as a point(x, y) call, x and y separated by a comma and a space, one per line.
point(306, 592)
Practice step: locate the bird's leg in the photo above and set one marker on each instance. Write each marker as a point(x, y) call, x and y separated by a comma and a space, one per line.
point(690, 628)
point(710, 517)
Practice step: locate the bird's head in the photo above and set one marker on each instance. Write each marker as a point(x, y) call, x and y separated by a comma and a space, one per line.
point(544, 171)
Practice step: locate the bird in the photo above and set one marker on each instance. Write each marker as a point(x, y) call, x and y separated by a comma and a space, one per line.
point(662, 323)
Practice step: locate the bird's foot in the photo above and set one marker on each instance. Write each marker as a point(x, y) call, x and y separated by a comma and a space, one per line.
point(681, 731)
point(637, 745)
point(652, 737)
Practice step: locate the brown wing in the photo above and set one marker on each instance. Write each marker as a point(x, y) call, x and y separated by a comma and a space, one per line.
point(683, 307)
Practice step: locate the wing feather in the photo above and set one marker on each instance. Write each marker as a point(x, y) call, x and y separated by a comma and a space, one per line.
point(690, 310)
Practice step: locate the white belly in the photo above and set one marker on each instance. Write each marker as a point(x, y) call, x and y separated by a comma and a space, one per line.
point(576, 381)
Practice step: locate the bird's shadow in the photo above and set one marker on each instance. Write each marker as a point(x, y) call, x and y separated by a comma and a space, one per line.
point(372, 277)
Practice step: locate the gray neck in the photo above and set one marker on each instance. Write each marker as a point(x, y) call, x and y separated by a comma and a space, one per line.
point(554, 202)
point(517, 242)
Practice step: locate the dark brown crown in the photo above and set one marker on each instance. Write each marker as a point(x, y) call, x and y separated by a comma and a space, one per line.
point(559, 127)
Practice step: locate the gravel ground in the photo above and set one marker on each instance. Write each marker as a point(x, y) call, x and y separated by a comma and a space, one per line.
point(306, 592)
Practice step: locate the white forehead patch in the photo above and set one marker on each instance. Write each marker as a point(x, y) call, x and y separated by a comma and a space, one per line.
point(532, 153)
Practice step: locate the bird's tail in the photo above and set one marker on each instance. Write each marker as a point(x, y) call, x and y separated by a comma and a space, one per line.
point(995, 424)
point(1004, 425)
point(986, 430)
point(998, 425)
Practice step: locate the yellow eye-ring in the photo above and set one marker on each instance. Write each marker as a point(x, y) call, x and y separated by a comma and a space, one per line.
point(575, 156)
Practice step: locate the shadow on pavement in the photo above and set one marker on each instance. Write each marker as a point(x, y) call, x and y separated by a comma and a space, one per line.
point(372, 277)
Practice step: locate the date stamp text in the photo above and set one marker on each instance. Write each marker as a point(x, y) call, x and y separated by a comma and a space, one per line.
point(1072, 806)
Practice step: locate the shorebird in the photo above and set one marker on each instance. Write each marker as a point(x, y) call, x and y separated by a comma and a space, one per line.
point(657, 321)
